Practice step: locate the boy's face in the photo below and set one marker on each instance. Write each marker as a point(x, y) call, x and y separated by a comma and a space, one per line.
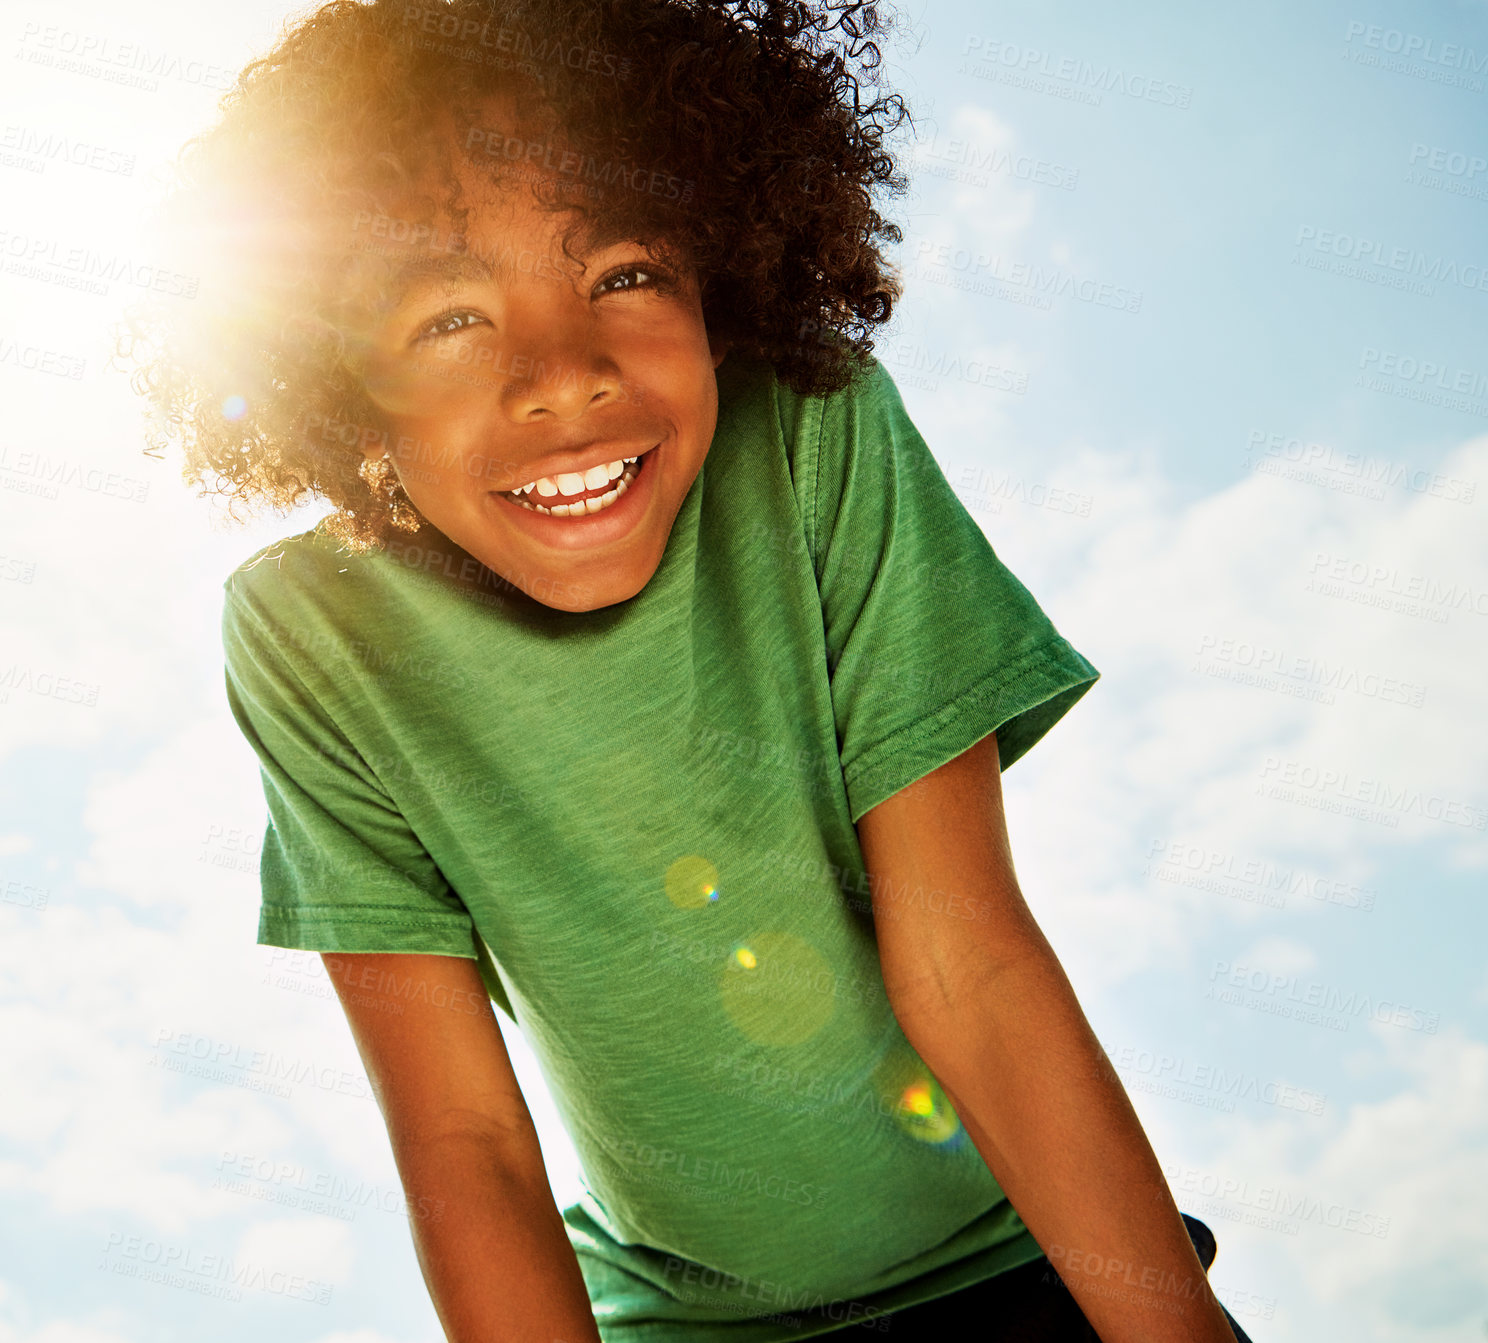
point(502, 362)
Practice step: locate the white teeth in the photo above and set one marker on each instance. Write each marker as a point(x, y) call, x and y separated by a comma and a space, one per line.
point(580, 507)
point(576, 482)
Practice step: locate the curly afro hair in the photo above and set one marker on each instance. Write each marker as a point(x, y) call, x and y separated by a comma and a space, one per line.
point(746, 136)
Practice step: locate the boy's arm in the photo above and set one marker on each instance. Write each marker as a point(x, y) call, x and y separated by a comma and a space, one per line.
point(983, 999)
point(490, 1240)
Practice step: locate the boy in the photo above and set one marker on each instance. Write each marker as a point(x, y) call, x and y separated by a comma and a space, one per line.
point(649, 679)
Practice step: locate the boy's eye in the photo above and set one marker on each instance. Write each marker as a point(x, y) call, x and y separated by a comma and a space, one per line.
point(455, 320)
point(631, 277)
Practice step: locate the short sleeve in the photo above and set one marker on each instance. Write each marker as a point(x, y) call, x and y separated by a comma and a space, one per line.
point(341, 870)
point(931, 642)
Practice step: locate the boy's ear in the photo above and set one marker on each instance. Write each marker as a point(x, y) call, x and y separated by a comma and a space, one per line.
point(718, 348)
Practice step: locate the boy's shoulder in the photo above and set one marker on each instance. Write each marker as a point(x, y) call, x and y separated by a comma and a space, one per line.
point(292, 564)
point(750, 387)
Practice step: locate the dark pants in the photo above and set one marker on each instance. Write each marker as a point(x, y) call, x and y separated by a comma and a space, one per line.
point(1029, 1304)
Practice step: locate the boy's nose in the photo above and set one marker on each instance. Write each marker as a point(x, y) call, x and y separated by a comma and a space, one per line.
point(564, 391)
point(563, 374)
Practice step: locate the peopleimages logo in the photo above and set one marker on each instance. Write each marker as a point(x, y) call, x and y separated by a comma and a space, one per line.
point(766, 1292)
point(1012, 63)
point(203, 1056)
point(325, 1192)
point(964, 160)
point(1341, 1004)
point(942, 263)
point(104, 57)
point(49, 146)
point(1298, 776)
point(1406, 261)
point(1440, 376)
point(1416, 46)
point(583, 168)
point(1176, 859)
point(1210, 1085)
point(1317, 674)
point(1356, 471)
point(1275, 1201)
point(40, 257)
point(1386, 581)
point(191, 1269)
point(731, 1181)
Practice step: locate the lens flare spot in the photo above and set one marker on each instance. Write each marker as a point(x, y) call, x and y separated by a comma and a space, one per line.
point(917, 1100)
point(909, 1092)
point(234, 408)
point(692, 882)
point(777, 988)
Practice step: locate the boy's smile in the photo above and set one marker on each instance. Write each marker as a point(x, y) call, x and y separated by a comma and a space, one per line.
point(505, 364)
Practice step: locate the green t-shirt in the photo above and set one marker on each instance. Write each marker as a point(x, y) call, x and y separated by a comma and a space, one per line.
point(640, 821)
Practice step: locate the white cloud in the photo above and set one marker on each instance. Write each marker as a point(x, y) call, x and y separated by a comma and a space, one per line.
point(182, 828)
point(89, 992)
point(51, 1331)
point(1280, 955)
point(1403, 1165)
point(62, 1331)
point(145, 1016)
point(308, 1247)
point(1415, 1154)
point(1159, 751)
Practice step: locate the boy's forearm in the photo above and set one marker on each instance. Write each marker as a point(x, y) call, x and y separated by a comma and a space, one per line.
point(492, 1246)
point(1038, 1097)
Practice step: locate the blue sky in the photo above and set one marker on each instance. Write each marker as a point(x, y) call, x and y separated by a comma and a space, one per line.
point(1240, 466)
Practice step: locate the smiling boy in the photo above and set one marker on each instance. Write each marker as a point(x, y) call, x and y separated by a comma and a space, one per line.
point(611, 388)
point(644, 639)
